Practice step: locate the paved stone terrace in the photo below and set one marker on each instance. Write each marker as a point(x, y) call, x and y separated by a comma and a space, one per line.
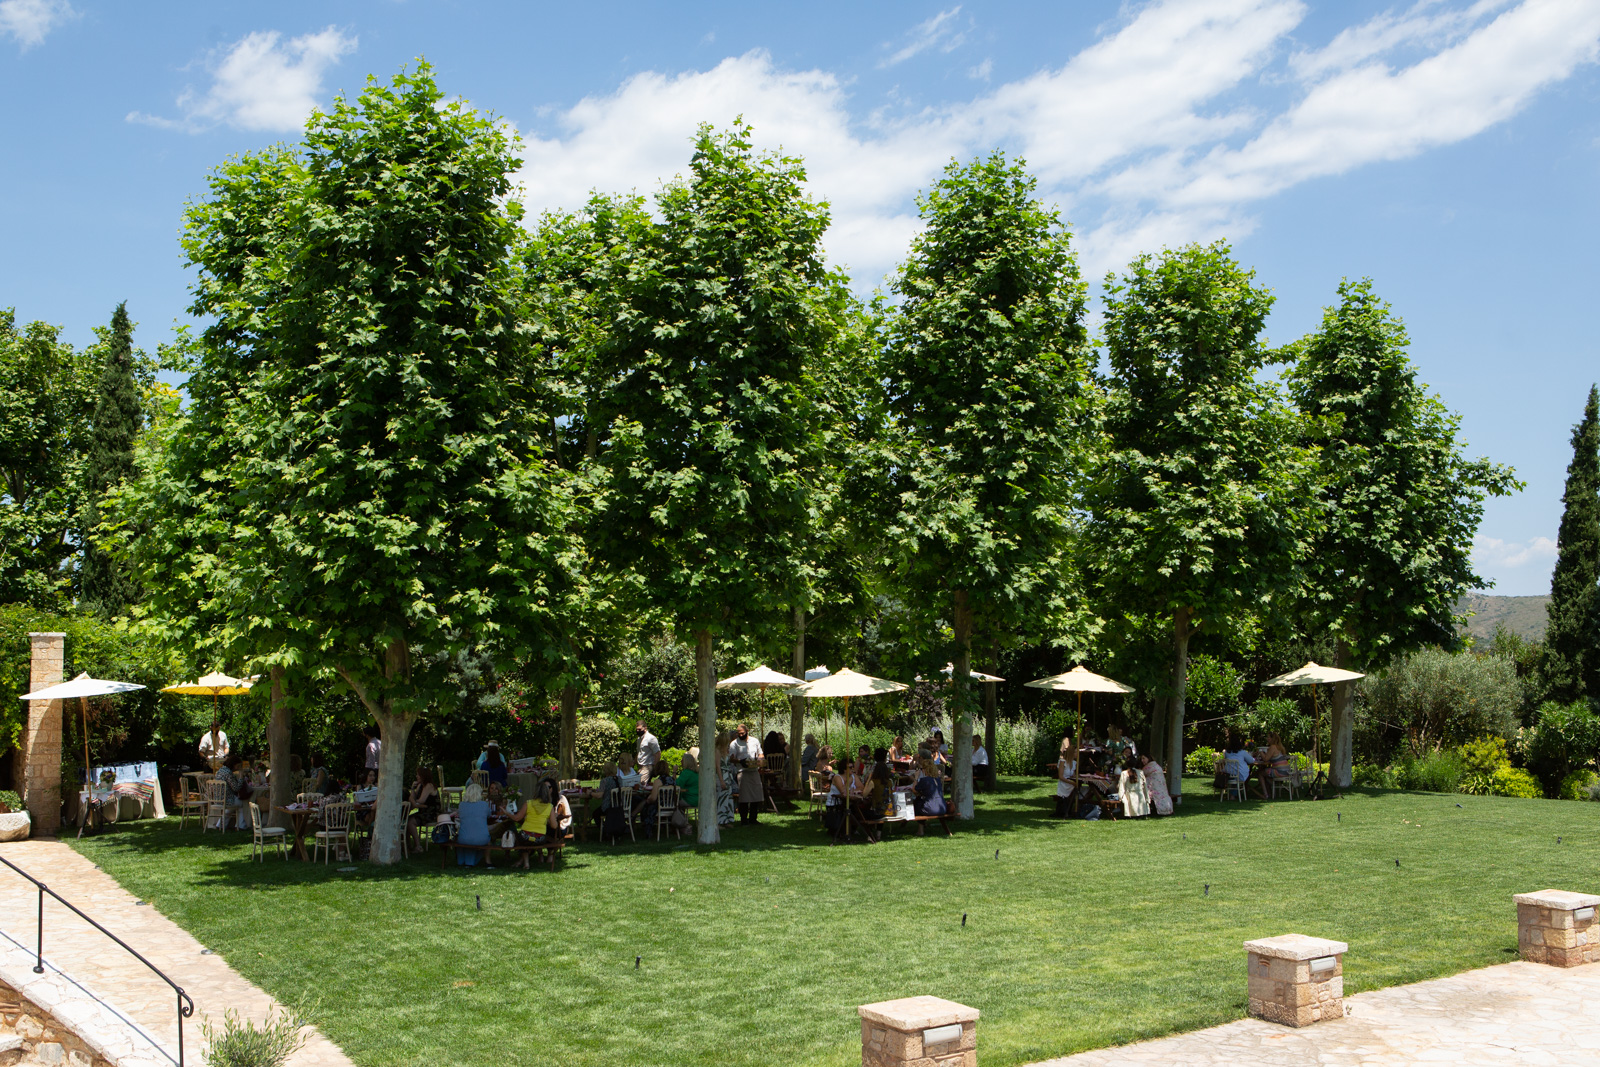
point(117, 979)
point(1505, 1016)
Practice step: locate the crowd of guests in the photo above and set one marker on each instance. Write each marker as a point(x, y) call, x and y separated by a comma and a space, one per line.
point(1092, 778)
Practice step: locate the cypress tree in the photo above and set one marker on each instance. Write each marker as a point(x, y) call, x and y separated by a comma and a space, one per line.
point(1570, 664)
point(106, 589)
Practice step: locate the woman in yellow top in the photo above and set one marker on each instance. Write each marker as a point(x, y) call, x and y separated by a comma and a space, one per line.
point(544, 817)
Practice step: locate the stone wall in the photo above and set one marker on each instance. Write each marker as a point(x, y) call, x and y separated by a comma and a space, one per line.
point(41, 744)
point(43, 1039)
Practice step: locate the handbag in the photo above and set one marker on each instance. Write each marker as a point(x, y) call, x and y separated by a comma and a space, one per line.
point(441, 833)
point(508, 839)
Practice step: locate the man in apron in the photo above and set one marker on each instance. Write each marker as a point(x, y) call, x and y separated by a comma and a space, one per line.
point(745, 752)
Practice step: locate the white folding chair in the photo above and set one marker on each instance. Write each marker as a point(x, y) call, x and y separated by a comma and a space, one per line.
point(216, 806)
point(666, 808)
point(335, 832)
point(624, 797)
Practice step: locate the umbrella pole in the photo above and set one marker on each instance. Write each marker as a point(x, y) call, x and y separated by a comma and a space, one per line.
point(762, 699)
point(847, 756)
point(1316, 732)
point(1077, 764)
point(83, 705)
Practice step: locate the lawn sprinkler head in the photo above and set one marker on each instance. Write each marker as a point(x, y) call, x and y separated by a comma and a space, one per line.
point(636, 960)
point(1338, 816)
point(1397, 864)
point(963, 920)
point(479, 899)
point(1207, 892)
point(1558, 839)
point(996, 853)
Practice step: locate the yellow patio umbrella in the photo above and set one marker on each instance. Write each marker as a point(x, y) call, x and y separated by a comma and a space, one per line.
point(1314, 674)
point(846, 683)
point(213, 685)
point(83, 687)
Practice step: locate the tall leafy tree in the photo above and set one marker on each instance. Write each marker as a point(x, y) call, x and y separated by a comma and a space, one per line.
point(1569, 666)
point(47, 400)
point(384, 503)
point(985, 362)
point(118, 414)
point(1197, 499)
point(1398, 503)
point(702, 499)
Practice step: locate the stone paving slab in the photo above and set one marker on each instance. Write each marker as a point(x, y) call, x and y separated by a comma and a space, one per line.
point(1510, 1015)
point(120, 982)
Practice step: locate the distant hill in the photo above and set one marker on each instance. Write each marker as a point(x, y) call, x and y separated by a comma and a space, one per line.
point(1524, 616)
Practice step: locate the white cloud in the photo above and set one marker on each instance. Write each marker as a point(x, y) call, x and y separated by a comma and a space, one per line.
point(938, 32)
point(261, 82)
point(1493, 552)
point(1169, 128)
point(29, 21)
point(982, 71)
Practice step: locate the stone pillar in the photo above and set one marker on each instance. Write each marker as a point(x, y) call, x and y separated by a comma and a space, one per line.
point(919, 1032)
point(1296, 980)
point(41, 745)
point(1558, 928)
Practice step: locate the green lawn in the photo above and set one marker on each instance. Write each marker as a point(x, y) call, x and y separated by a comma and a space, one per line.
point(1078, 935)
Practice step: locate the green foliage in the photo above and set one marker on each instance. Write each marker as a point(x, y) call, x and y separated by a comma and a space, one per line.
point(1561, 738)
point(238, 1042)
point(1570, 665)
point(1214, 688)
point(672, 760)
point(984, 363)
point(598, 743)
point(1582, 784)
point(655, 682)
point(1441, 699)
point(1016, 747)
point(1275, 715)
point(1482, 759)
point(1201, 762)
point(105, 587)
point(1511, 781)
point(1398, 504)
point(1437, 771)
point(9, 801)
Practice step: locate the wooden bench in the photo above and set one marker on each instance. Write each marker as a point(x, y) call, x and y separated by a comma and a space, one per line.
point(551, 850)
point(943, 820)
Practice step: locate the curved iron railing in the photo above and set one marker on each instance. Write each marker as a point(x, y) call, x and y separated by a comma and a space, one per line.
point(185, 1004)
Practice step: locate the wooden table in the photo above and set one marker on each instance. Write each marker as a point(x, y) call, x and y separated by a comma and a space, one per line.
point(299, 817)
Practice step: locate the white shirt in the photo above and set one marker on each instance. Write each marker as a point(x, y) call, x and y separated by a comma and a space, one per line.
point(627, 779)
point(980, 756)
point(744, 749)
point(1065, 768)
point(218, 749)
point(649, 750)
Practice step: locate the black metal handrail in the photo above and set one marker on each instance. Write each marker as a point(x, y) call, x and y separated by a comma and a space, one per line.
point(185, 1004)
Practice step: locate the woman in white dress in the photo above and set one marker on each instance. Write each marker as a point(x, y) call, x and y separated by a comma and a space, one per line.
point(1155, 783)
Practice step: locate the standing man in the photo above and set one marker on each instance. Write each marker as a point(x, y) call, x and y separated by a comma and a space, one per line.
point(745, 752)
point(374, 747)
point(649, 753)
point(213, 747)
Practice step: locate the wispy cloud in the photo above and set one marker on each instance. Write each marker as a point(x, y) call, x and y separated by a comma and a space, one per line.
point(1172, 126)
point(28, 22)
point(261, 82)
point(1493, 552)
point(938, 32)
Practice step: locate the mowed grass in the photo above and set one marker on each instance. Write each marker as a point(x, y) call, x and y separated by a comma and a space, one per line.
point(1078, 935)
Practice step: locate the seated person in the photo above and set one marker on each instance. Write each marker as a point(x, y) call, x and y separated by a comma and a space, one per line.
point(774, 744)
point(318, 779)
point(689, 779)
point(628, 776)
point(472, 824)
point(1121, 749)
point(422, 807)
point(1278, 763)
point(494, 764)
point(980, 761)
point(543, 818)
point(834, 807)
point(1239, 764)
point(928, 793)
point(897, 751)
point(808, 754)
point(1066, 768)
point(873, 804)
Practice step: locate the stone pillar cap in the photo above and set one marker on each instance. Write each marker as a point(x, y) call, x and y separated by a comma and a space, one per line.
point(1559, 899)
point(1296, 947)
point(45, 633)
point(917, 1013)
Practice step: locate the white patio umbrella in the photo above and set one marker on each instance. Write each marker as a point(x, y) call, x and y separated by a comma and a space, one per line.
point(213, 685)
point(1314, 674)
point(846, 683)
point(760, 679)
point(949, 672)
point(1080, 680)
point(83, 687)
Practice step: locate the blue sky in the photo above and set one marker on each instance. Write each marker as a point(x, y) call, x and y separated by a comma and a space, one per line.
point(1447, 149)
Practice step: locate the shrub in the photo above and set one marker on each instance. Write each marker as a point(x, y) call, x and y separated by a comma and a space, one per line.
point(1440, 771)
point(1373, 776)
point(1579, 785)
point(1444, 699)
point(1201, 762)
point(1275, 715)
point(672, 760)
point(1509, 781)
point(1563, 738)
point(598, 742)
point(1014, 744)
point(9, 801)
point(240, 1044)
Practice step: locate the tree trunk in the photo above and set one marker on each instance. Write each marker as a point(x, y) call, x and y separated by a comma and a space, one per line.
point(710, 773)
point(991, 700)
point(797, 705)
point(1158, 731)
point(280, 726)
point(1341, 756)
point(393, 729)
point(961, 683)
point(569, 732)
point(1180, 682)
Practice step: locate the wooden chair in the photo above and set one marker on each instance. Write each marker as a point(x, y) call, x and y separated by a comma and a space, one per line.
point(216, 806)
point(819, 793)
point(260, 835)
point(624, 797)
point(191, 800)
point(776, 764)
point(666, 808)
point(1289, 782)
point(482, 779)
point(566, 784)
point(335, 830)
